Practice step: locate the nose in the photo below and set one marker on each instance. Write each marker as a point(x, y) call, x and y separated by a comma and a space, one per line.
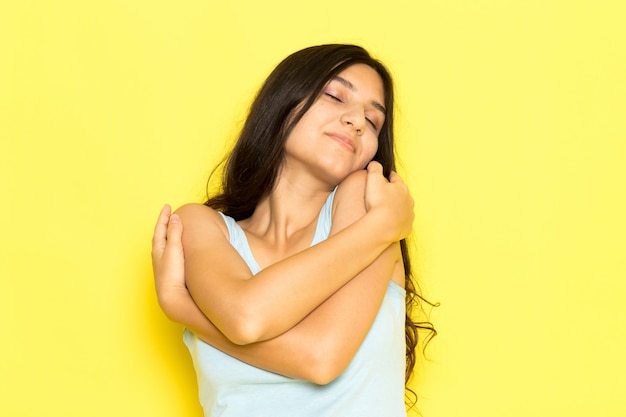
point(354, 118)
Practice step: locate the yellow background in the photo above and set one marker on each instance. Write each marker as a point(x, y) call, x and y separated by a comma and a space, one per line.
point(511, 131)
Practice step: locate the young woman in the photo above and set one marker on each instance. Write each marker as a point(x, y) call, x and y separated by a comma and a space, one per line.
point(293, 281)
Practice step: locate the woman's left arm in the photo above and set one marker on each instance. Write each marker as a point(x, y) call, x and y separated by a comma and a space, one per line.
point(318, 348)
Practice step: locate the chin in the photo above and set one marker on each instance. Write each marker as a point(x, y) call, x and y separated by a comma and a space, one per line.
point(335, 170)
point(337, 177)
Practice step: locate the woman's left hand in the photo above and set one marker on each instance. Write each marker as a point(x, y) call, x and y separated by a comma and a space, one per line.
point(168, 260)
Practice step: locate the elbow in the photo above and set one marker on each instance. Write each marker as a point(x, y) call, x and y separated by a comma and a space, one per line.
point(245, 321)
point(241, 336)
point(323, 376)
point(326, 366)
point(244, 328)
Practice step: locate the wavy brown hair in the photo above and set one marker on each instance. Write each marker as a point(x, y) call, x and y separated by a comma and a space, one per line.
point(250, 171)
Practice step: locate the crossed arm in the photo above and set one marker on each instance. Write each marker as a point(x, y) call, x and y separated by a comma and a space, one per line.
point(317, 342)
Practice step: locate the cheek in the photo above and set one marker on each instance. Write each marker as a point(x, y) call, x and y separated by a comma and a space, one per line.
point(372, 147)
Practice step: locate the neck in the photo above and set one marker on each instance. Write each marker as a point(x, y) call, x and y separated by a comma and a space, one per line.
point(291, 208)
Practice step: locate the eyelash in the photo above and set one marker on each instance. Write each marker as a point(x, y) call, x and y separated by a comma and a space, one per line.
point(334, 97)
point(341, 101)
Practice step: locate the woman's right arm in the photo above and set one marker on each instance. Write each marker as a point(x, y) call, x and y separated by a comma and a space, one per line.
point(271, 302)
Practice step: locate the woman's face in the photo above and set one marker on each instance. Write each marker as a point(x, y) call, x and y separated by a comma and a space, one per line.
point(339, 133)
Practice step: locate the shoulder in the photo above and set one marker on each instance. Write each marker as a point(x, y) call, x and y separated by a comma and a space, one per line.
point(349, 200)
point(200, 220)
point(197, 213)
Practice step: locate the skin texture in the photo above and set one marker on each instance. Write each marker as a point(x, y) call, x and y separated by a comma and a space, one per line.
point(307, 312)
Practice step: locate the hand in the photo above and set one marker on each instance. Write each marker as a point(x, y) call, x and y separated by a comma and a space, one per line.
point(391, 200)
point(168, 259)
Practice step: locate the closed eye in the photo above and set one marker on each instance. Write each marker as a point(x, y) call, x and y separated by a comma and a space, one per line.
point(334, 97)
point(372, 124)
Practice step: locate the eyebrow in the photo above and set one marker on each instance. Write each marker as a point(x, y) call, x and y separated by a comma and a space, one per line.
point(351, 87)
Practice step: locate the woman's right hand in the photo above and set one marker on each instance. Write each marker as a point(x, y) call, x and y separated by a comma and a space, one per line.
point(391, 200)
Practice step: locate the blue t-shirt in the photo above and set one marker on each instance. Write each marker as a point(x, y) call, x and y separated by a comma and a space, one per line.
point(371, 386)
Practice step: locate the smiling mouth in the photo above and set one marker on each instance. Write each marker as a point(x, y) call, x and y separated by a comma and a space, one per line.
point(344, 140)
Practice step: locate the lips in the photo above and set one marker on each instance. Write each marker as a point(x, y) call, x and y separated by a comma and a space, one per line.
point(343, 140)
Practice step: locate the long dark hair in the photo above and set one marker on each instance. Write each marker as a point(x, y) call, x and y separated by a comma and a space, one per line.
point(251, 169)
